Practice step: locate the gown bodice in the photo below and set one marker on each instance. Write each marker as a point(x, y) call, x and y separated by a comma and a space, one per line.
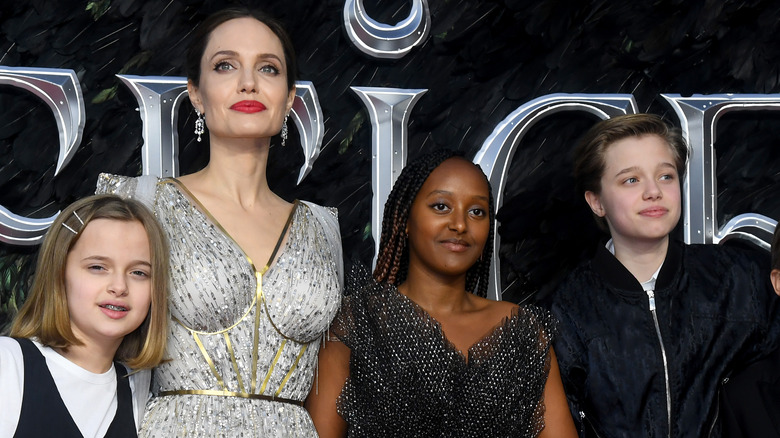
point(242, 336)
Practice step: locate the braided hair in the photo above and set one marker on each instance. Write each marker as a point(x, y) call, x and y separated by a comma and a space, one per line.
point(392, 264)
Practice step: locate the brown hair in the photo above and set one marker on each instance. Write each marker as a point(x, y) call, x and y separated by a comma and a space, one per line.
point(202, 34)
point(589, 155)
point(392, 264)
point(45, 315)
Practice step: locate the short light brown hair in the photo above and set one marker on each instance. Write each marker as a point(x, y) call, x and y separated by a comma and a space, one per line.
point(589, 155)
point(44, 314)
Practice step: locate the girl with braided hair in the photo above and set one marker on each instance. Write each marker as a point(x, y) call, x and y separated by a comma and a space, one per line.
point(418, 350)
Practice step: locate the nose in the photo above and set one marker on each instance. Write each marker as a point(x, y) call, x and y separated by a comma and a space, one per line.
point(652, 190)
point(118, 285)
point(458, 221)
point(247, 82)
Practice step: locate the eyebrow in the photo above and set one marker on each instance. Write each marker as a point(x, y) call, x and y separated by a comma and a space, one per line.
point(234, 53)
point(636, 168)
point(105, 259)
point(446, 192)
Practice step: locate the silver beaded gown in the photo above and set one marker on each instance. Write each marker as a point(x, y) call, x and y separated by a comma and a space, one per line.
point(243, 339)
point(407, 380)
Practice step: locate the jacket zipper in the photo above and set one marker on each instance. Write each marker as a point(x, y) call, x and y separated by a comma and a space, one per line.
point(651, 299)
point(717, 405)
point(585, 419)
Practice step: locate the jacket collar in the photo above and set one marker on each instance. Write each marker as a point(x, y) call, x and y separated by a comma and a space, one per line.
point(617, 276)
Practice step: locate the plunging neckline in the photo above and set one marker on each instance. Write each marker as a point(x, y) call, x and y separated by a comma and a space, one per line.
point(435, 325)
point(205, 211)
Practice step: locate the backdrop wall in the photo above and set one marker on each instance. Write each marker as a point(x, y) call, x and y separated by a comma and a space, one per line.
point(481, 60)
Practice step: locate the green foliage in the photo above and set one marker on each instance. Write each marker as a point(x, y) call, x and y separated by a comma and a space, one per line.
point(16, 272)
point(352, 129)
point(105, 95)
point(367, 231)
point(98, 8)
point(137, 60)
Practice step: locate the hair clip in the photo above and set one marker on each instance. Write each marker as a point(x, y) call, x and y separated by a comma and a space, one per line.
point(71, 229)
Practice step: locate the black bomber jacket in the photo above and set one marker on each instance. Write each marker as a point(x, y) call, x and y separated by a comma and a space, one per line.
point(628, 371)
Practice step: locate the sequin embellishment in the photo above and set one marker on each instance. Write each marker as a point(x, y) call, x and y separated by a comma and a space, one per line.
point(403, 371)
point(225, 342)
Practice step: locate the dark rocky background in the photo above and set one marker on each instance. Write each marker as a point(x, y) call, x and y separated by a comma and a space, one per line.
point(482, 60)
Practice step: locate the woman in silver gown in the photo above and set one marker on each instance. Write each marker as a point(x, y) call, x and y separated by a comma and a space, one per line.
point(255, 280)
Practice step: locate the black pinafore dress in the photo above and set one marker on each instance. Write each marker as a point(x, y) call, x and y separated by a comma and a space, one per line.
point(44, 413)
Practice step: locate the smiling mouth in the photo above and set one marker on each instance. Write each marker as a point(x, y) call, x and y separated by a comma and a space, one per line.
point(654, 212)
point(114, 308)
point(456, 245)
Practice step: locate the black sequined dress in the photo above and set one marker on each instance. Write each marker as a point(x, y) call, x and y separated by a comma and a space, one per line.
point(407, 379)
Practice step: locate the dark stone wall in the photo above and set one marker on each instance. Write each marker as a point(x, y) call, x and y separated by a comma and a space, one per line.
point(481, 61)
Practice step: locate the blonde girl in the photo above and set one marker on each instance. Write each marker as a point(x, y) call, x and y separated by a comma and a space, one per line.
point(99, 298)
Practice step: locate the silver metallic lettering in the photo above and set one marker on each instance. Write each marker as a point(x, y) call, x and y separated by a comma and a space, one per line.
point(60, 90)
point(159, 98)
point(307, 115)
point(699, 115)
point(389, 110)
point(385, 41)
point(495, 155)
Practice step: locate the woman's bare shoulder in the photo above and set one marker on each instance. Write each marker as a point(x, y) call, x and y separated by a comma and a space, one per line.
point(496, 310)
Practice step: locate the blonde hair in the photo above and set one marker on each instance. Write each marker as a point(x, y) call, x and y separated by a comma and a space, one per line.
point(44, 314)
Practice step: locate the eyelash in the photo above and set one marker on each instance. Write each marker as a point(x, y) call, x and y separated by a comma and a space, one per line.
point(218, 65)
point(275, 71)
point(666, 177)
point(133, 272)
point(439, 206)
point(477, 212)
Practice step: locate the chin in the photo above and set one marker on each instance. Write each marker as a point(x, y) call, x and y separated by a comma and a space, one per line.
point(653, 237)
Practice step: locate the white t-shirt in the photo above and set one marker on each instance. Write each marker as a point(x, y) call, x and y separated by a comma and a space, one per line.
point(90, 398)
point(647, 285)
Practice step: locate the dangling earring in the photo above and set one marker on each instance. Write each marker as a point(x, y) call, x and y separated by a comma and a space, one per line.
point(200, 127)
point(284, 131)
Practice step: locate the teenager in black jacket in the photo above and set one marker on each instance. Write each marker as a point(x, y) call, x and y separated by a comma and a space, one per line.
point(649, 327)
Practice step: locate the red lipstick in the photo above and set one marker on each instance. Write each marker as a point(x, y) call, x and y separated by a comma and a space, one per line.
point(248, 106)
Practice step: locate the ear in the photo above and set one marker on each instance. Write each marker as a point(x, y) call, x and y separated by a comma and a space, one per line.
point(290, 99)
point(195, 98)
point(775, 277)
point(594, 201)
